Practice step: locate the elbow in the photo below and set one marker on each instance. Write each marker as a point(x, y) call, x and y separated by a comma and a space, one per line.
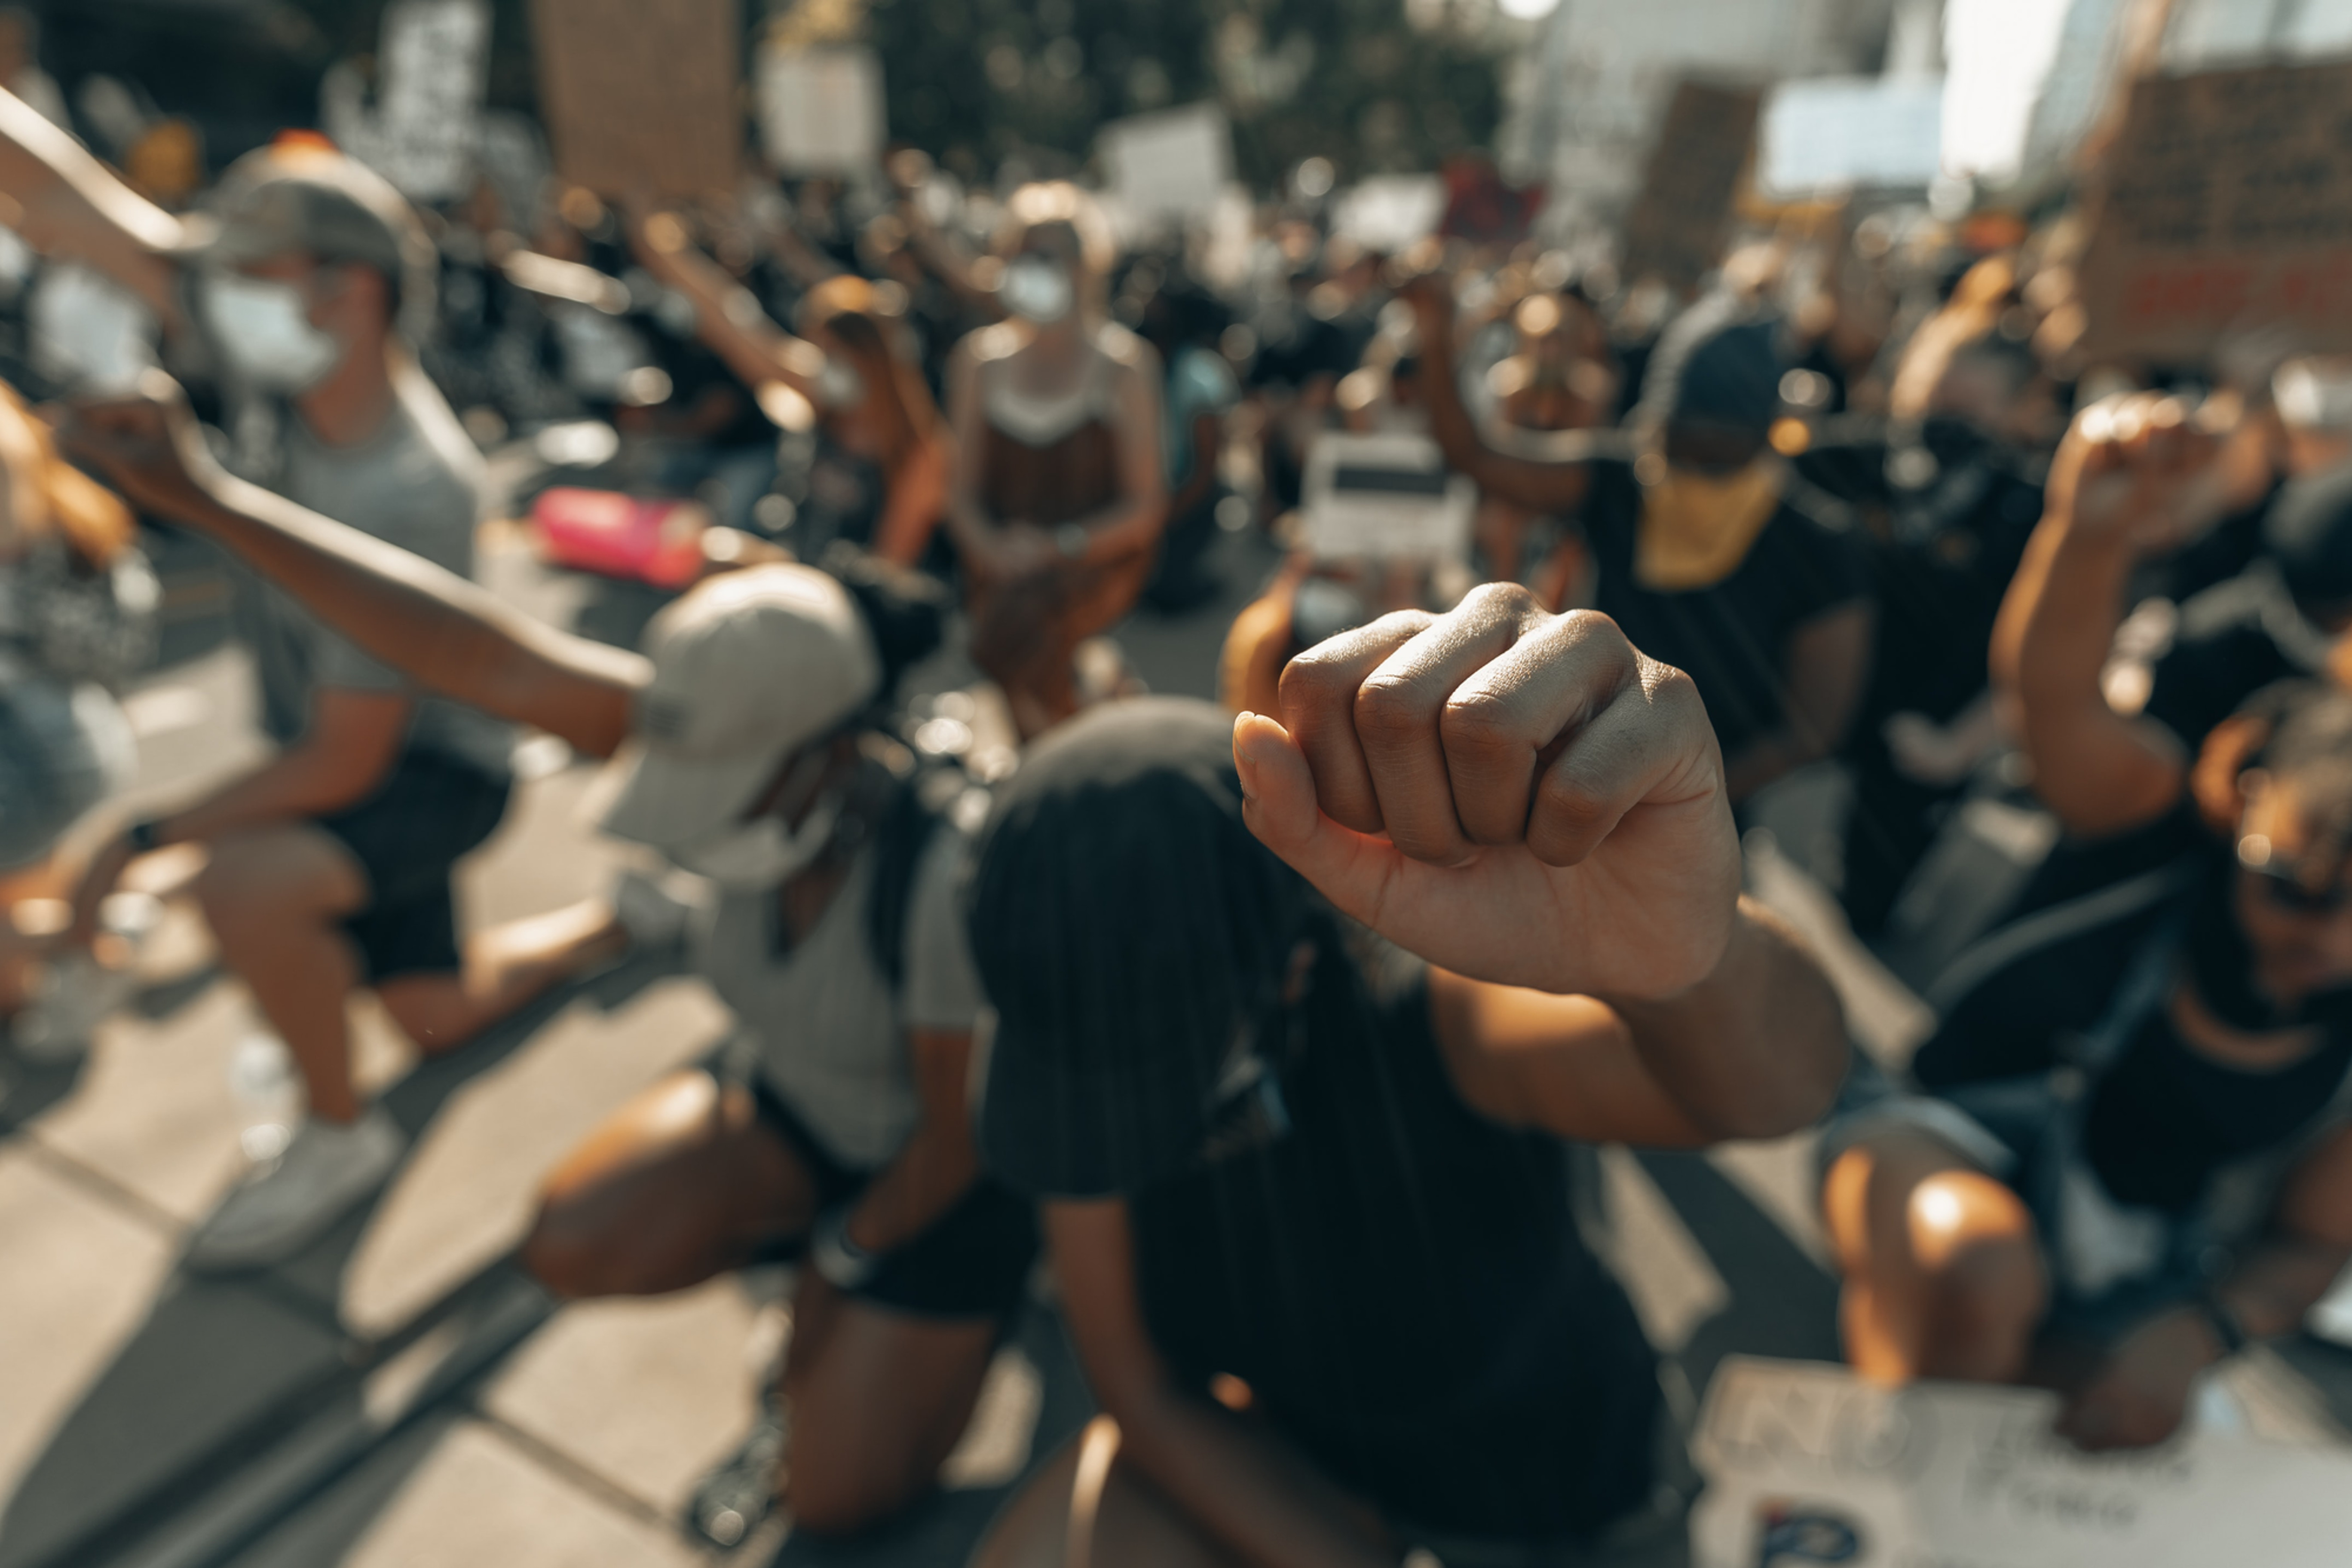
point(1796, 1095)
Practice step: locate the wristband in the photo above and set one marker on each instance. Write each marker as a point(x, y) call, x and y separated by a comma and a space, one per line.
point(2223, 1319)
point(1070, 539)
point(142, 836)
point(839, 1261)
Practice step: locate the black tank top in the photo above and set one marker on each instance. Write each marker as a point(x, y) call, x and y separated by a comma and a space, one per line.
point(1401, 1284)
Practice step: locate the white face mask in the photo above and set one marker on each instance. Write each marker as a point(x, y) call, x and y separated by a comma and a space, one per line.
point(265, 329)
point(1038, 291)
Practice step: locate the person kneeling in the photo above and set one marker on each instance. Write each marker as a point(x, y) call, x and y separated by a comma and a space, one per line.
point(1298, 1127)
point(2134, 1152)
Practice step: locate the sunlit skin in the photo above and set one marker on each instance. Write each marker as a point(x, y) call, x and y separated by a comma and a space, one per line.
point(1944, 1271)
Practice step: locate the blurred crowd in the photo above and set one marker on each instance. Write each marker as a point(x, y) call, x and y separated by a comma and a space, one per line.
point(1267, 1027)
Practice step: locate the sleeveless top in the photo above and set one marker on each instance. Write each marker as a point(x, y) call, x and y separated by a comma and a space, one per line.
point(1048, 460)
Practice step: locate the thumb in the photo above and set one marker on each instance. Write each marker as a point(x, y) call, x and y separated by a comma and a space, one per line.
point(1352, 870)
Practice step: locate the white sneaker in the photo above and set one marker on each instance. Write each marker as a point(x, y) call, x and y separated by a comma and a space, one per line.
point(77, 991)
point(283, 1205)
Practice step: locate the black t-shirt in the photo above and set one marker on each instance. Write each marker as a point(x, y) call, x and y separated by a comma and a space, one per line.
point(1401, 1284)
point(2162, 1118)
point(1940, 558)
point(1732, 638)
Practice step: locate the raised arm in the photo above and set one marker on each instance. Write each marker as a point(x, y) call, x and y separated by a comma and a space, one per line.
point(433, 626)
point(1527, 801)
point(1551, 479)
point(2120, 487)
point(69, 204)
point(728, 319)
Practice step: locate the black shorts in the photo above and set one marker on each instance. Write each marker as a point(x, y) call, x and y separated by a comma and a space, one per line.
point(408, 837)
point(972, 1261)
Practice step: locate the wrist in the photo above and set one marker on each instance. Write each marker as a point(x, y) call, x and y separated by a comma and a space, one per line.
point(2224, 1331)
point(146, 835)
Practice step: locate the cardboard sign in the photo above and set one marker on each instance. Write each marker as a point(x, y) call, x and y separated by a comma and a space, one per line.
point(2228, 206)
point(1833, 134)
point(1390, 211)
point(1678, 227)
point(1808, 1464)
point(436, 61)
point(1170, 166)
point(821, 110)
point(642, 95)
point(1384, 498)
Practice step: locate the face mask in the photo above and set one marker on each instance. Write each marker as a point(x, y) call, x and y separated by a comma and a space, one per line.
point(752, 857)
point(265, 330)
point(838, 385)
point(1696, 528)
point(1037, 290)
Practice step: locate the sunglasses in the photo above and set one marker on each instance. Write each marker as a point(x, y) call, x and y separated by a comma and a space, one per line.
point(2284, 889)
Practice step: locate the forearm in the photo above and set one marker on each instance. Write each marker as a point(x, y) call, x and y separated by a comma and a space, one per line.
point(931, 1172)
point(296, 785)
point(69, 204)
point(1758, 1048)
point(1247, 1487)
point(443, 632)
point(1124, 527)
point(2100, 772)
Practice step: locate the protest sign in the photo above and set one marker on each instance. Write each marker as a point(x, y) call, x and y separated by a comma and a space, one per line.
point(2226, 206)
point(821, 110)
point(1844, 133)
point(1390, 211)
point(642, 95)
point(1808, 1464)
point(1173, 165)
point(436, 59)
point(1675, 231)
point(1384, 498)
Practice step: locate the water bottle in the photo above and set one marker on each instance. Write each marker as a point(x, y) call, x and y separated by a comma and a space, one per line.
point(268, 1095)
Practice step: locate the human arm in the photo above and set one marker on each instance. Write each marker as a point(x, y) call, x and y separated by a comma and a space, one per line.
point(1133, 521)
point(1828, 659)
point(989, 543)
point(2140, 1394)
point(1555, 486)
point(1230, 1477)
point(2115, 490)
point(727, 316)
point(71, 205)
point(938, 1161)
point(916, 501)
point(443, 633)
point(1526, 800)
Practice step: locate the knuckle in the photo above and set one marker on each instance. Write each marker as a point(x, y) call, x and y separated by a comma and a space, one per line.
point(1509, 599)
point(1389, 710)
point(1479, 726)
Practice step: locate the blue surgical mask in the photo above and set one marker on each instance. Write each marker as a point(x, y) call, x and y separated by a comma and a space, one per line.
point(264, 327)
point(1038, 291)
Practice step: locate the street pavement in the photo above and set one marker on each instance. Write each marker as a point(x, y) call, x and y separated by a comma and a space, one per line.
point(401, 1395)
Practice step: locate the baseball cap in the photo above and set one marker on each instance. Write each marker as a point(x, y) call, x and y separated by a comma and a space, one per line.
point(1127, 928)
point(1716, 365)
point(308, 198)
point(749, 668)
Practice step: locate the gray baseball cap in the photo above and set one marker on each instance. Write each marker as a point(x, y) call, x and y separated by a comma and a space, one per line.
point(314, 201)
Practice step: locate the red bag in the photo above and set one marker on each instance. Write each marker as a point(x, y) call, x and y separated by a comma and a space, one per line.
point(655, 541)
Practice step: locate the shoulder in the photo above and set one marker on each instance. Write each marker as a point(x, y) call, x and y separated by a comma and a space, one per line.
point(986, 346)
point(1127, 353)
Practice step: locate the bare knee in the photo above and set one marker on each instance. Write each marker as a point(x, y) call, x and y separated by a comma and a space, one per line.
point(578, 1258)
point(1981, 1274)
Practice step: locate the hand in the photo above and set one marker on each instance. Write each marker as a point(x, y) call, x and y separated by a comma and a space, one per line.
point(1518, 797)
point(149, 446)
point(2138, 472)
point(2140, 1394)
point(1431, 295)
point(1022, 547)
